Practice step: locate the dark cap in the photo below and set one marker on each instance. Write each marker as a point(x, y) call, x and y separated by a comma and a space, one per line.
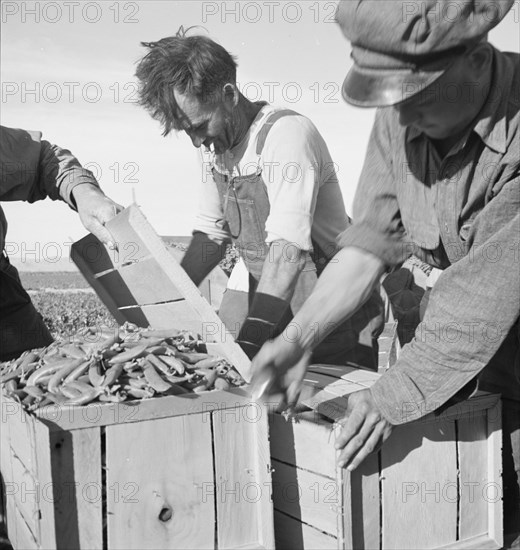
point(400, 47)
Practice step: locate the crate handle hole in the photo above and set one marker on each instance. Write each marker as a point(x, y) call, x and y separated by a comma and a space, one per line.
point(166, 513)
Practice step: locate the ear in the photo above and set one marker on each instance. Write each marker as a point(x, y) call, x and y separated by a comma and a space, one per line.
point(230, 95)
point(479, 58)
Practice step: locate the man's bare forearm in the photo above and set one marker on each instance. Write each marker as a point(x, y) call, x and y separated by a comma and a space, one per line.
point(281, 270)
point(343, 287)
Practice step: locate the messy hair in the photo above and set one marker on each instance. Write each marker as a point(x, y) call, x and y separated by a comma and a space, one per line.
point(194, 65)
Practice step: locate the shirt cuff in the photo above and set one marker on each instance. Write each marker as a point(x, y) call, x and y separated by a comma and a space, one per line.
point(394, 400)
point(391, 251)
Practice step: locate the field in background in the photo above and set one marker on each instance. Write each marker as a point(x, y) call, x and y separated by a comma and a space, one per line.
point(66, 302)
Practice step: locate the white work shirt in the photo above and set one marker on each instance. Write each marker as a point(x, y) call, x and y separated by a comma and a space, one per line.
point(300, 178)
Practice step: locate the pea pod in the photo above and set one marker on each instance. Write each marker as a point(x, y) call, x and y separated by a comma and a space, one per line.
point(161, 333)
point(57, 398)
point(81, 386)
point(69, 391)
point(152, 377)
point(51, 368)
point(35, 391)
point(72, 350)
point(192, 358)
point(221, 384)
point(78, 371)
point(95, 375)
point(63, 372)
point(129, 354)
point(139, 393)
point(10, 385)
point(84, 398)
point(158, 364)
point(112, 374)
point(176, 364)
point(31, 357)
point(209, 362)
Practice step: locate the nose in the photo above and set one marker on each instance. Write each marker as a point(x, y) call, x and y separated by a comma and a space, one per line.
point(408, 114)
point(195, 139)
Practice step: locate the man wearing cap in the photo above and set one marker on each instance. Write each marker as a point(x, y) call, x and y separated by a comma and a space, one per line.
point(441, 180)
point(271, 188)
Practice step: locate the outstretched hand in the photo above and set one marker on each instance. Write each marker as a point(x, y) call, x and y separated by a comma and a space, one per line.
point(279, 367)
point(364, 430)
point(95, 209)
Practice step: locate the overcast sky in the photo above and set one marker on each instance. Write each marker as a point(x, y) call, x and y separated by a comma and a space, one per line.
point(67, 69)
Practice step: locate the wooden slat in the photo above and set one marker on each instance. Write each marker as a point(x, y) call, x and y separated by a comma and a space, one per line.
point(364, 504)
point(160, 465)
point(348, 373)
point(179, 315)
point(494, 430)
point(480, 542)
point(331, 385)
point(47, 535)
point(20, 433)
point(5, 466)
point(23, 538)
point(149, 283)
point(107, 414)
point(114, 285)
point(473, 465)
point(419, 483)
point(307, 443)
point(264, 479)
point(329, 405)
point(25, 495)
point(306, 496)
point(240, 491)
point(91, 252)
point(294, 535)
point(132, 247)
point(77, 488)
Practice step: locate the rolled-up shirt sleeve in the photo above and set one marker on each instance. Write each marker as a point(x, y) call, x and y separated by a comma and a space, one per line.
point(210, 217)
point(472, 308)
point(33, 169)
point(377, 226)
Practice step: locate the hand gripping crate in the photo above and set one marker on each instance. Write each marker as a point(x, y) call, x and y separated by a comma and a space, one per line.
point(436, 482)
point(187, 471)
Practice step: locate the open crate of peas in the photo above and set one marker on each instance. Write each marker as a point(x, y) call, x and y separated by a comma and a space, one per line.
point(143, 436)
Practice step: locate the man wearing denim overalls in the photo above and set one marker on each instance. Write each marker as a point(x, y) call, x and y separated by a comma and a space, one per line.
point(273, 192)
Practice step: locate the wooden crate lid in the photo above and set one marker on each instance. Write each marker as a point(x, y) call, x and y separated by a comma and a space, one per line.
point(141, 282)
point(327, 387)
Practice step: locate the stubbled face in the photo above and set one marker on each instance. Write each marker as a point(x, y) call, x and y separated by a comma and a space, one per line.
point(207, 124)
point(446, 107)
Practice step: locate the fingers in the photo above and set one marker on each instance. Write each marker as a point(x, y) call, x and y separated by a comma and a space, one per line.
point(365, 443)
point(99, 214)
point(363, 431)
point(295, 379)
point(101, 232)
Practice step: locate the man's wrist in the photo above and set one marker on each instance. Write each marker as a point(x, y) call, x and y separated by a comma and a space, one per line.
point(84, 190)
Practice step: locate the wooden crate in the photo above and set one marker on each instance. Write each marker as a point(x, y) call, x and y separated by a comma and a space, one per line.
point(187, 471)
point(436, 483)
point(180, 472)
